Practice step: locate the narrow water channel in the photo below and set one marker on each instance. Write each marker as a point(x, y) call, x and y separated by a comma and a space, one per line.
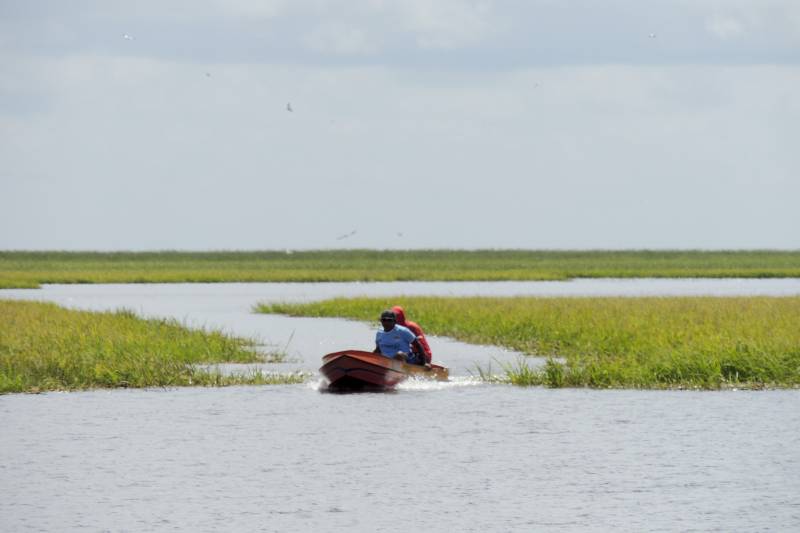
point(229, 306)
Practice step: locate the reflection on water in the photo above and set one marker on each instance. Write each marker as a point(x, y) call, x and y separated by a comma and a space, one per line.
point(457, 456)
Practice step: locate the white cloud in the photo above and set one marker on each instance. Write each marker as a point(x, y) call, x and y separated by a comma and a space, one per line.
point(249, 8)
point(772, 20)
point(560, 157)
point(95, 130)
point(725, 27)
point(350, 27)
point(447, 23)
point(340, 39)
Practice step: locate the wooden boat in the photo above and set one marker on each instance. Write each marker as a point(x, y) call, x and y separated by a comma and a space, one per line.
point(358, 370)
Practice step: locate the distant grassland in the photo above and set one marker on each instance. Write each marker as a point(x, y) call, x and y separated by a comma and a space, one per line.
point(30, 269)
point(46, 347)
point(707, 342)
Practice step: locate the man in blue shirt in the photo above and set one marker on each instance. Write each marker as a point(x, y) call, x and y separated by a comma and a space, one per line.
point(395, 341)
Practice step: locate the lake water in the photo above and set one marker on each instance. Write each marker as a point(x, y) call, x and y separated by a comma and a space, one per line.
point(458, 456)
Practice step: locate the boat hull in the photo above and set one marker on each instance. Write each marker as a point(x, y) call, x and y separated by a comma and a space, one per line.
point(359, 370)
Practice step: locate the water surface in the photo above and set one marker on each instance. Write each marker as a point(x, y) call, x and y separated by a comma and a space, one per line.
point(447, 458)
point(459, 456)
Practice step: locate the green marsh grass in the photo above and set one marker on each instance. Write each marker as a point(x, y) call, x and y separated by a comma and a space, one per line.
point(46, 347)
point(30, 269)
point(693, 342)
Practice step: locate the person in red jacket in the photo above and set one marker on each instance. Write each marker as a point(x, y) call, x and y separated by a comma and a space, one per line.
point(425, 357)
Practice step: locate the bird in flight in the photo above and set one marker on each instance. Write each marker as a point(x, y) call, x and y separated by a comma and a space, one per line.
point(346, 235)
point(127, 37)
point(289, 107)
point(652, 35)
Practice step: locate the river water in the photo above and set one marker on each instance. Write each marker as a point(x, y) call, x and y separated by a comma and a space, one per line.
point(458, 456)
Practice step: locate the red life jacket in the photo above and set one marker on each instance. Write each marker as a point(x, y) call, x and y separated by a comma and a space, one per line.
point(415, 329)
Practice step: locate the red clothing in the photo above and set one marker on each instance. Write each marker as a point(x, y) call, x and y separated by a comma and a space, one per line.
point(415, 329)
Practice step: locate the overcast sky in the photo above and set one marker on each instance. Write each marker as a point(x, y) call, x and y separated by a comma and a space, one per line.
point(414, 124)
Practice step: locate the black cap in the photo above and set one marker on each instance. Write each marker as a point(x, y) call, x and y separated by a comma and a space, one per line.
point(388, 315)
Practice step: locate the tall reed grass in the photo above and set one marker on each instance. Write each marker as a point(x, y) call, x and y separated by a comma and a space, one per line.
point(46, 347)
point(30, 269)
point(698, 342)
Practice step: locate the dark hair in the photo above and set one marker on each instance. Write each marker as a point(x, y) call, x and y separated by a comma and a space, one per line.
point(388, 315)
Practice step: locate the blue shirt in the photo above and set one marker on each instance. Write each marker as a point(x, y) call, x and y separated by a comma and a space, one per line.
point(397, 339)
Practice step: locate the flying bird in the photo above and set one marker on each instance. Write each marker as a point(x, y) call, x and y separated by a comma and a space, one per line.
point(346, 235)
point(289, 107)
point(652, 35)
point(127, 37)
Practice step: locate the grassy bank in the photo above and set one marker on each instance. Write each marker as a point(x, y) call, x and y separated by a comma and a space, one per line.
point(30, 269)
point(613, 342)
point(46, 347)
